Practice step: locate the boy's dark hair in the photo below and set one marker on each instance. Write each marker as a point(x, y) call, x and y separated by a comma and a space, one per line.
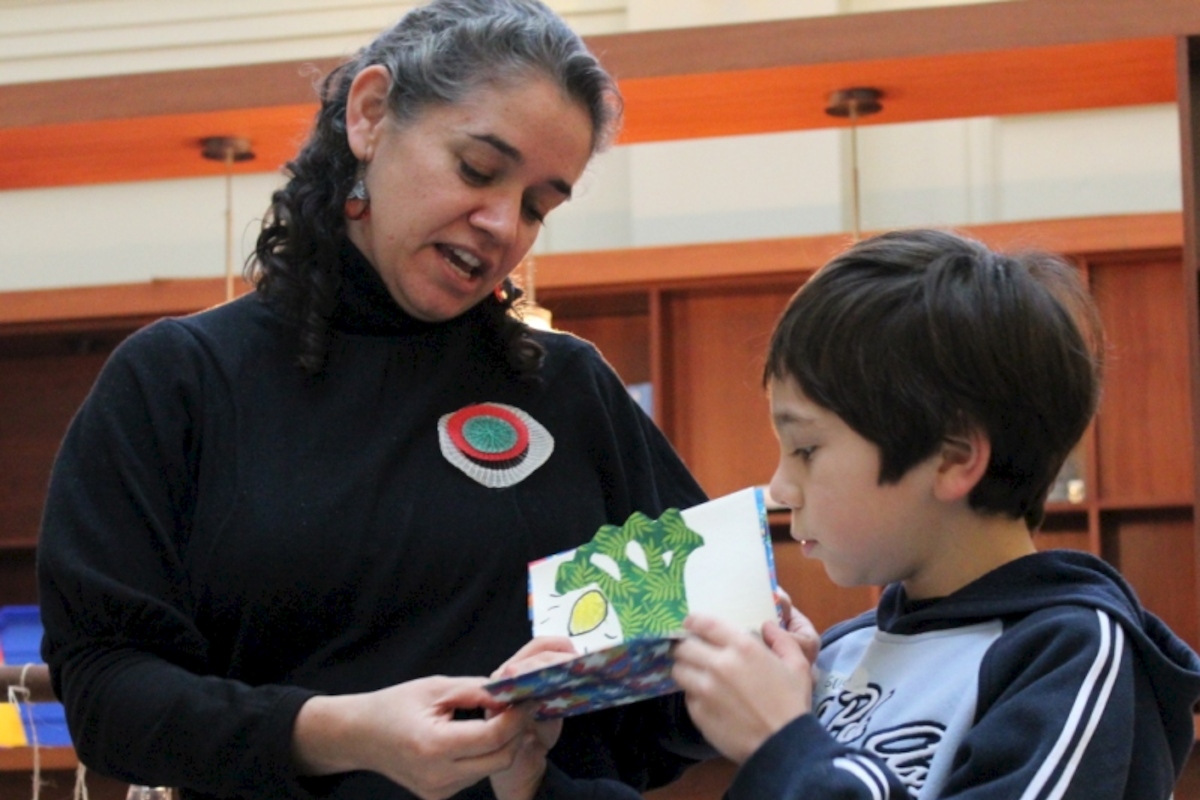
point(913, 336)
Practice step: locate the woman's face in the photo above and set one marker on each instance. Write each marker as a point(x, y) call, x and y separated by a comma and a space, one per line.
point(458, 195)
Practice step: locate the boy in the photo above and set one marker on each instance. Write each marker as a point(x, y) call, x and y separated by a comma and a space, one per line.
point(925, 392)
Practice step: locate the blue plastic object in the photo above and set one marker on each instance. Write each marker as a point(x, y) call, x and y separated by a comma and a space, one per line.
point(21, 635)
point(50, 719)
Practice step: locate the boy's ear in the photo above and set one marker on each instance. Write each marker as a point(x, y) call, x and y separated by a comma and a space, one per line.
point(366, 109)
point(964, 460)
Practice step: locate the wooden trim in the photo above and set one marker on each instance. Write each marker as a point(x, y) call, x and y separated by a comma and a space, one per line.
point(123, 304)
point(682, 263)
point(1028, 80)
point(117, 303)
point(905, 33)
point(154, 94)
point(983, 59)
point(36, 680)
point(1188, 67)
point(640, 55)
point(20, 759)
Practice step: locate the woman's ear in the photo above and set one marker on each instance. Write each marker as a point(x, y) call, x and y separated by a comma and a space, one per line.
point(964, 460)
point(366, 109)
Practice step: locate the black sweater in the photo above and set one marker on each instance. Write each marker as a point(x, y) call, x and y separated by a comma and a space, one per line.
point(225, 536)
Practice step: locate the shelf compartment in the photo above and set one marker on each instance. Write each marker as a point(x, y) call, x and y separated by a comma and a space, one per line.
point(1155, 551)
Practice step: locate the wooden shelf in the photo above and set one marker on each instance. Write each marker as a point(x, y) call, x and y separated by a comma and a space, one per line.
point(1144, 503)
point(621, 275)
point(20, 759)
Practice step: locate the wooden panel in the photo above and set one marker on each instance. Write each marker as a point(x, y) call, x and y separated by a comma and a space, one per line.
point(38, 397)
point(1064, 529)
point(1155, 551)
point(715, 408)
point(1144, 429)
point(18, 581)
point(620, 331)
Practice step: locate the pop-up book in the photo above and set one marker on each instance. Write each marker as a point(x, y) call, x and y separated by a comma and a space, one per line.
point(622, 598)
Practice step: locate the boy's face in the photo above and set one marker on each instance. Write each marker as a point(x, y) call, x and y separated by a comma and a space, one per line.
point(828, 475)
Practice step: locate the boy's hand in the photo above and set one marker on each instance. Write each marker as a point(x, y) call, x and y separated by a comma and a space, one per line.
point(740, 690)
point(522, 780)
point(799, 626)
point(539, 652)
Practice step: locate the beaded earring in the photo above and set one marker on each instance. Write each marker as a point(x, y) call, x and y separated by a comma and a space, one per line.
point(358, 202)
point(501, 291)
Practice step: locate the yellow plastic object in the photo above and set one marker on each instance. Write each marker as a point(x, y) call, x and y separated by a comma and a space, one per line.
point(12, 732)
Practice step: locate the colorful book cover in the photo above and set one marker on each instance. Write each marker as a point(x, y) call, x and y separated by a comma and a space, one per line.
point(622, 598)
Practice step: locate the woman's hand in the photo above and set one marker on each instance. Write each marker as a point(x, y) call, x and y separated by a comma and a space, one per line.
point(739, 690)
point(522, 779)
point(408, 733)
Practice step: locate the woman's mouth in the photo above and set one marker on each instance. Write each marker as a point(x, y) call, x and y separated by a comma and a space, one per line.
point(465, 263)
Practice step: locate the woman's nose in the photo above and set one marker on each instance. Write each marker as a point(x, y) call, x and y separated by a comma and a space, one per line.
point(499, 215)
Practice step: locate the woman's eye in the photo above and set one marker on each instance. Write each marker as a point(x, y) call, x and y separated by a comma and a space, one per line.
point(533, 214)
point(472, 175)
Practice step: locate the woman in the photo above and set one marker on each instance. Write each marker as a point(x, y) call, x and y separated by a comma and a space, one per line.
point(281, 534)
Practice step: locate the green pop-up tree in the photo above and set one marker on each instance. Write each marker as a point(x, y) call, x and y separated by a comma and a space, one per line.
point(649, 600)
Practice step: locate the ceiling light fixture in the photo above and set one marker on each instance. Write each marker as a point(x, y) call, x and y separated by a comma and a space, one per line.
point(853, 103)
point(227, 149)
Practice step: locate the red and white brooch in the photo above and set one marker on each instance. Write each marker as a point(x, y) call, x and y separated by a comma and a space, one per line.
point(495, 444)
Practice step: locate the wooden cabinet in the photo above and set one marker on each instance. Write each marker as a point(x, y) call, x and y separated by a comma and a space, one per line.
point(701, 343)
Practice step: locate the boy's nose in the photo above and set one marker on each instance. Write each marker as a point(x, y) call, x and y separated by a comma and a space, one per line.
point(784, 492)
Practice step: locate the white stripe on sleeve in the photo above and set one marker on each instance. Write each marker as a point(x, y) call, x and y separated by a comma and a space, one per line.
point(1095, 690)
point(867, 772)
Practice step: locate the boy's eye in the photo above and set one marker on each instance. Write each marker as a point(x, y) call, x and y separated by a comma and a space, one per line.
point(804, 453)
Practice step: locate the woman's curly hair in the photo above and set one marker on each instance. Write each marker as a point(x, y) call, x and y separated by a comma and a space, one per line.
point(436, 55)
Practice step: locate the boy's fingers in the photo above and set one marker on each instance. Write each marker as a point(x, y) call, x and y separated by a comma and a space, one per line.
point(711, 630)
point(785, 647)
